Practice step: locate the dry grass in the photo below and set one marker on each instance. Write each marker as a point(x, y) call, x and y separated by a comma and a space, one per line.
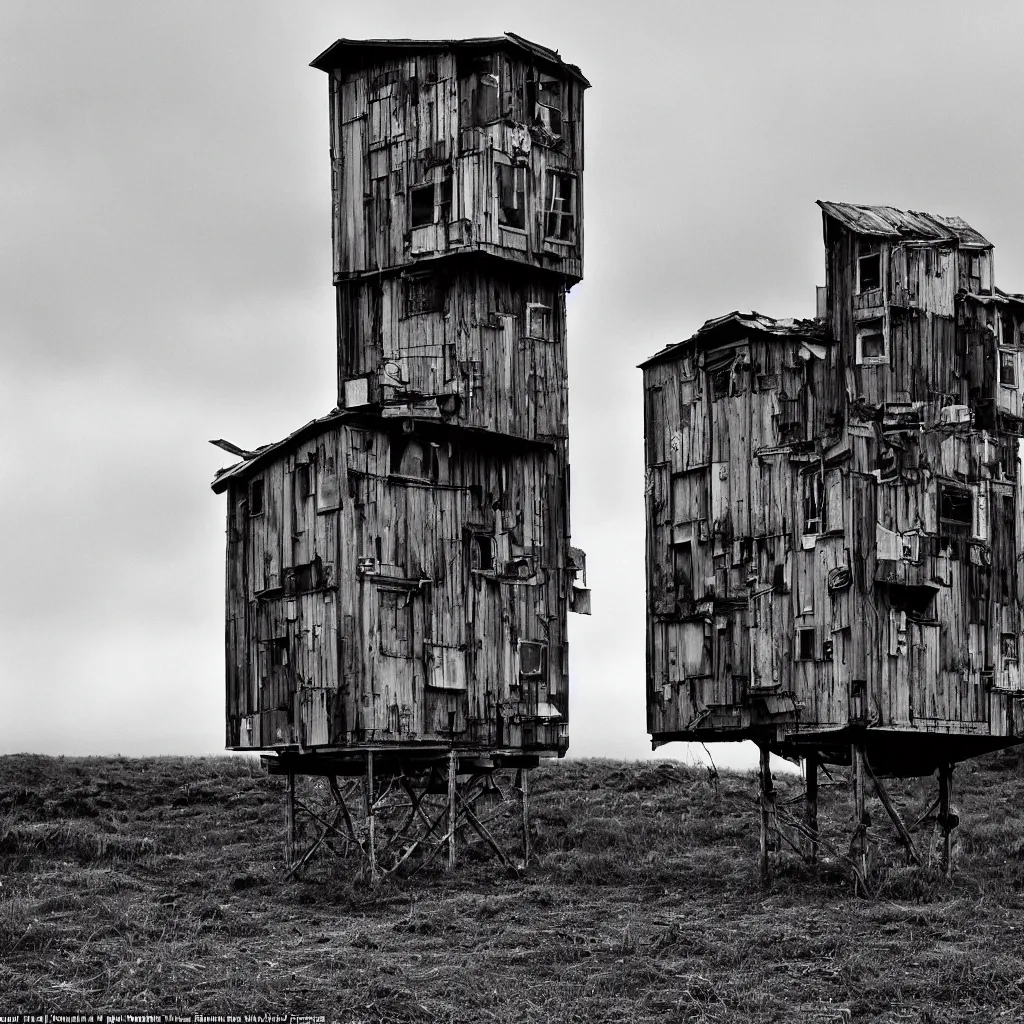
point(156, 884)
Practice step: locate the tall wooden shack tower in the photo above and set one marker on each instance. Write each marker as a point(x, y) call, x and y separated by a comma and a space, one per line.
point(399, 572)
point(833, 513)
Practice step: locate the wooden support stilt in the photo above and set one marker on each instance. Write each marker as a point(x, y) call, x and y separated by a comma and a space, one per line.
point(811, 794)
point(901, 828)
point(947, 820)
point(767, 801)
point(453, 763)
point(289, 822)
point(370, 810)
point(524, 788)
point(859, 844)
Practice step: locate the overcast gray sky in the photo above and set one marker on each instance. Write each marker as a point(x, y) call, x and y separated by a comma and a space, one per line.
point(165, 279)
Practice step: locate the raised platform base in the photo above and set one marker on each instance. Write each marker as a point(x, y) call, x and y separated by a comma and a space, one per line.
point(396, 812)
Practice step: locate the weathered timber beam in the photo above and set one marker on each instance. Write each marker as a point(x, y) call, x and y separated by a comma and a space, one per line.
point(904, 832)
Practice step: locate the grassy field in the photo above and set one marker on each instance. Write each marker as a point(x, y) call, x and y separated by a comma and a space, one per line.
point(157, 885)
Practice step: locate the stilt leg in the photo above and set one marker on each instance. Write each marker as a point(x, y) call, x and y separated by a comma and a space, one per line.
point(453, 762)
point(525, 790)
point(289, 822)
point(859, 845)
point(370, 801)
point(767, 800)
point(811, 790)
point(947, 820)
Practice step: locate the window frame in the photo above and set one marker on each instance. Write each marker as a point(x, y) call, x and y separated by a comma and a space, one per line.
point(864, 328)
point(802, 633)
point(518, 195)
point(434, 300)
point(867, 251)
point(562, 215)
point(1011, 354)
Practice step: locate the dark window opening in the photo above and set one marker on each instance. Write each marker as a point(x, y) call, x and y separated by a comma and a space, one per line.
point(869, 271)
point(423, 294)
point(827, 648)
point(549, 106)
point(1006, 324)
point(955, 506)
point(303, 484)
point(512, 196)
point(256, 498)
point(974, 274)
point(871, 340)
point(1008, 369)
point(805, 644)
point(1008, 644)
point(482, 552)
point(531, 658)
point(683, 570)
point(421, 205)
point(419, 460)
point(304, 578)
point(561, 207)
point(813, 495)
point(779, 578)
point(444, 202)
point(487, 108)
point(279, 651)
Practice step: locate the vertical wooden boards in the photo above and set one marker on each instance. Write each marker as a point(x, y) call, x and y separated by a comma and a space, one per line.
point(413, 570)
point(415, 123)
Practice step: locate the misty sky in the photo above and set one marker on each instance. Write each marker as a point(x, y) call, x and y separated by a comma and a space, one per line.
point(165, 278)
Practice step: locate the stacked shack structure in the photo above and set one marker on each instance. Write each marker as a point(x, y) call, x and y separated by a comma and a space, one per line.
point(399, 572)
point(834, 514)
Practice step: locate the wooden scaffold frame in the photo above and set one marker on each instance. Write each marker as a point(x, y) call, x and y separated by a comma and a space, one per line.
point(776, 822)
point(398, 814)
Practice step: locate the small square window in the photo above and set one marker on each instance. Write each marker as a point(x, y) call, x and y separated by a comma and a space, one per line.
point(537, 318)
point(1007, 369)
point(482, 552)
point(531, 658)
point(256, 498)
point(423, 294)
point(955, 506)
point(871, 342)
point(805, 644)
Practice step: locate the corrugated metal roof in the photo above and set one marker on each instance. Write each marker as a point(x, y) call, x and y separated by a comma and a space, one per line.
point(345, 51)
point(888, 222)
point(737, 323)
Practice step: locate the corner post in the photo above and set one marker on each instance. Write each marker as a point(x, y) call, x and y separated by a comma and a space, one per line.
point(524, 788)
point(859, 845)
point(947, 820)
point(289, 822)
point(811, 798)
point(453, 763)
point(370, 800)
point(767, 801)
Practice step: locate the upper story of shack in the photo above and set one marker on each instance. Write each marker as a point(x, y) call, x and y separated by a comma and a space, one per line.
point(443, 147)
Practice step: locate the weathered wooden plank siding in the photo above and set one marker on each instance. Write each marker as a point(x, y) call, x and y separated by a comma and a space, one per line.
point(398, 578)
point(419, 121)
point(832, 535)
